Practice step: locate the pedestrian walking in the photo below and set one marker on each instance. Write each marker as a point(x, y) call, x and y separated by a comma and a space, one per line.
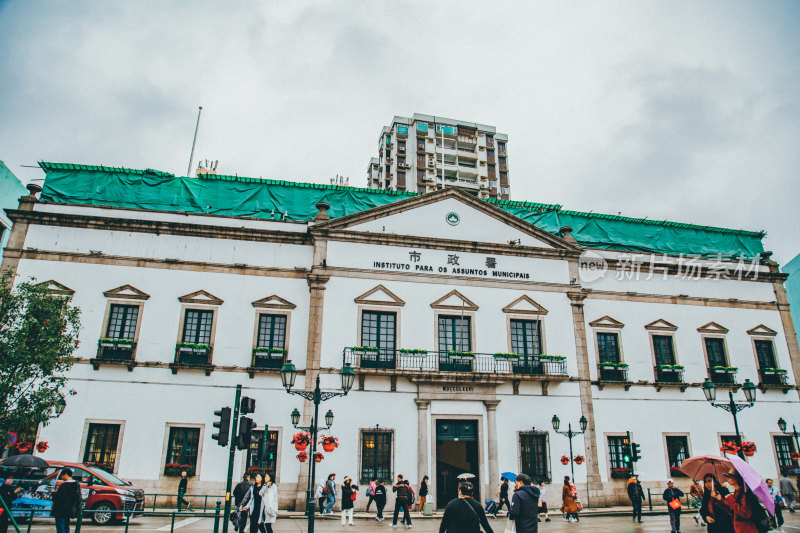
point(788, 491)
point(463, 514)
point(66, 501)
point(423, 493)
point(348, 497)
point(695, 497)
point(569, 501)
point(673, 497)
point(182, 486)
point(713, 512)
point(371, 491)
point(503, 498)
point(401, 501)
point(239, 492)
point(543, 503)
point(319, 495)
point(738, 504)
point(8, 493)
point(779, 503)
point(636, 495)
point(330, 493)
point(525, 505)
point(380, 499)
point(261, 503)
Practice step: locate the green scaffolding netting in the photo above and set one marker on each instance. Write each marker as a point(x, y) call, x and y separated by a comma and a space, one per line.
point(265, 199)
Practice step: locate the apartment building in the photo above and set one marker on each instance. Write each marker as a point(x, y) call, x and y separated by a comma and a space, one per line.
point(425, 153)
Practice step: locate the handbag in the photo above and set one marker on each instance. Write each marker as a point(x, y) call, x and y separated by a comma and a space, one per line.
point(675, 504)
point(353, 496)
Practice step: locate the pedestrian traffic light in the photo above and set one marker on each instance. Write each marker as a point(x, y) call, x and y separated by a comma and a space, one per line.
point(247, 405)
point(635, 452)
point(223, 425)
point(626, 449)
point(245, 437)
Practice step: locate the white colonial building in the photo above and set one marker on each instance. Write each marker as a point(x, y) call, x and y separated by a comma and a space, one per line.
point(470, 323)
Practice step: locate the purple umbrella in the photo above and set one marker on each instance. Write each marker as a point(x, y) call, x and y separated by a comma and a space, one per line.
point(753, 482)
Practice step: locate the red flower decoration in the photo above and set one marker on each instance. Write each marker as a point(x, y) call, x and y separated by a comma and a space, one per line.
point(24, 447)
point(318, 457)
point(42, 446)
point(795, 456)
point(564, 460)
point(578, 459)
point(302, 457)
point(729, 447)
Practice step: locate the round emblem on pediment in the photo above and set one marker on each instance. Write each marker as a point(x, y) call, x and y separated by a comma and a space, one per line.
point(452, 218)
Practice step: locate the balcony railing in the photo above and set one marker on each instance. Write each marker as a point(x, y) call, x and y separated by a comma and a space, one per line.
point(192, 355)
point(272, 359)
point(609, 372)
point(724, 376)
point(115, 350)
point(438, 361)
point(665, 374)
point(772, 376)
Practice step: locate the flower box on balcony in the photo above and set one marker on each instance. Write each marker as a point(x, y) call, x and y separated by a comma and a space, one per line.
point(670, 368)
point(620, 473)
point(501, 355)
point(724, 369)
point(613, 366)
point(774, 371)
point(172, 469)
point(267, 350)
point(413, 351)
point(117, 344)
point(190, 347)
point(545, 357)
point(457, 353)
point(366, 349)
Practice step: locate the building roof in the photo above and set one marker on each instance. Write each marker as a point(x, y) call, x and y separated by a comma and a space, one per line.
point(237, 196)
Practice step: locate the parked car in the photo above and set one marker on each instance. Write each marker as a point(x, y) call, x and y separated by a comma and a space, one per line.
point(103, 493)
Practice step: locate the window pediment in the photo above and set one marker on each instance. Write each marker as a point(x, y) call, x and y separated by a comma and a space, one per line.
point(661, 325)
point(56, 288)
point(200, 297)
point(525, 305)
point(127, 292)
point(762, 331)
point(606, 322)
point(379, 295)
point(713, 328)
point(454, 301)
point(273, 302)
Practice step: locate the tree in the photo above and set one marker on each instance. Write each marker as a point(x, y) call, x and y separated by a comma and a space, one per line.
point(38, 335)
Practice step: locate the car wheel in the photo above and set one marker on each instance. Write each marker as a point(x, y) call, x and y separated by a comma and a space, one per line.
point(102, 513)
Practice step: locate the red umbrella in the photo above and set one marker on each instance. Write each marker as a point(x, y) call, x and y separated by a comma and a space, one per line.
point(697, 467)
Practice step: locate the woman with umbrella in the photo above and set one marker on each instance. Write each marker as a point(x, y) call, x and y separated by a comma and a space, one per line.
point(715, 513)
point(738, 504)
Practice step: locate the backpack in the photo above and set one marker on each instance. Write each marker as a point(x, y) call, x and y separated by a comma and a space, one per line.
point(410, 496)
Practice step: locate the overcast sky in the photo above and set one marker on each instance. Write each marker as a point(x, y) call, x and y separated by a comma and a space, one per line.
point(681, 110)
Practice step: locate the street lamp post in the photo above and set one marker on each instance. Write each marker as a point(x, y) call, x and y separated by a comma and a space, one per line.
point(569, 434)
point(749, 388)
point(288, 376)
point(794, 433)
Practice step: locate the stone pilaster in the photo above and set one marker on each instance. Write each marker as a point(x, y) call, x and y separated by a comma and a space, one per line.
point(782, 303)
point(596, 495)
point(491, 430)
point(423, 443)
point(19, 232)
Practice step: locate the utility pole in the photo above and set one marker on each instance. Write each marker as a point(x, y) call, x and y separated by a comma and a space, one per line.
point(194, 141)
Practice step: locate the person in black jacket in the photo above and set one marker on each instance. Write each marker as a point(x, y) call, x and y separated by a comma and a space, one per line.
point(402, 501)
point(182, 485)
point(8, 493)
point(714, 513)
point(66, 501)
point(504, 500)
point(423, 493)
point(525, 505)
point(636, 495)
point(239, 492)
point(380, 499)
point(464, 514)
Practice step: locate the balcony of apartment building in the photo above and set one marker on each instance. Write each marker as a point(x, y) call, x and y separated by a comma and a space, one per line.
point(454, 364)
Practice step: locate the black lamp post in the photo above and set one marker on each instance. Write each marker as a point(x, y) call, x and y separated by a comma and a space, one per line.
point(288, 376)
point(569, 434)
point(794, 433)
point(749, 388)
point(59, 407)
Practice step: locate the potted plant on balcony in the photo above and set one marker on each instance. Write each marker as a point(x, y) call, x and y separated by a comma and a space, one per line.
point(502, 355)
point(720, 369)
point(546, 357)
point(266, 350)
point(193, 347)
point(413, 351)
point(729, 447)
point(459, 353)
point(771, 371)
point(116, 344)
point(749, 448)
point(365, 349)
point(301, 440)
point(329, 443)
point(610, 365)
point(670, 368)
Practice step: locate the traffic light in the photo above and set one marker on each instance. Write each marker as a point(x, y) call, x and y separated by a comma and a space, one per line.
point(635, 452)
point(627, 457)
point(247, 405)
point(223, 425)
point(245, 437)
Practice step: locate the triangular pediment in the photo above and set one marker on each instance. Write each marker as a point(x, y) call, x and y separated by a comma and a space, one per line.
point(448, 214)
point(454, 301)
point(379, 295)
point(713, 327)
point(606, 322)
point(200, 297)
point(762, 331)
point(273, 302)
point(54, 287)
point(661, 325)
point(526, 306)
point(127, 292)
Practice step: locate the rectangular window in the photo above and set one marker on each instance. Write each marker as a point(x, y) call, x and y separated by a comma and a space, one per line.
point(197, 326)
point(677, 452)
point(378, 329)
point(122, 321)
point(765, 353)
point(664, 349)
point(376, 455)
point(617, 448)
point(101, 446)
point(271, 331)
point(401, 160)
point(526, 338)
point(715, 351)
point(182, 446)
point(455, 333)
point(420, 175)
point(784, 448)
point(501, 147)
point(608, 347)
point(261, 457)
point(535, 456)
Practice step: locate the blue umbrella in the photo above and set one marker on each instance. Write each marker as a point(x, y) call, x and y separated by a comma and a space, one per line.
point(511, 476)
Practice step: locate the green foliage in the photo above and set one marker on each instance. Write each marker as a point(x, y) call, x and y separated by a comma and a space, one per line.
point(194, 345)
point(506, 355)
point(38, 336)
point(366, 349)
point(545, 357)
point(413, 351)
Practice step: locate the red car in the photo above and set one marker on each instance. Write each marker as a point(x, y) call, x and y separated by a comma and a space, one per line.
point(102, 492)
